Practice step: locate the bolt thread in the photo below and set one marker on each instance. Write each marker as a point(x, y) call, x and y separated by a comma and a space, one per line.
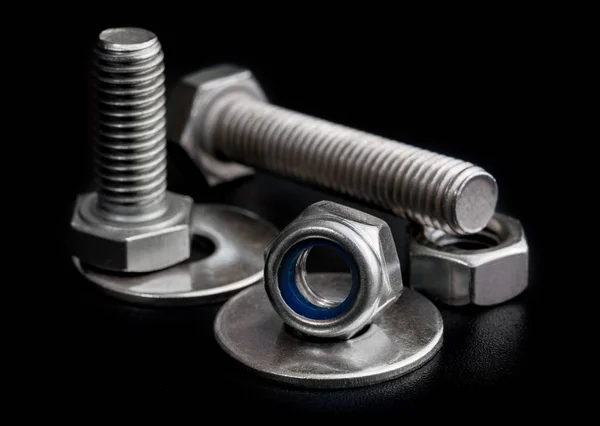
point(413, 183)
point(130, 135)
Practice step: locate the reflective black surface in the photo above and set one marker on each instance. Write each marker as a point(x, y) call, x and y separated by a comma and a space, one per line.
point(488, 357)
point(463, 97)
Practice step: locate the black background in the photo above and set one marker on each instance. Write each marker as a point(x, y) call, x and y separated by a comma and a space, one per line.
point(468, 88)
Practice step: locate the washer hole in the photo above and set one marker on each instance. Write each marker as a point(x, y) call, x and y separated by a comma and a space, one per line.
point(322, 259)
point(202, 247)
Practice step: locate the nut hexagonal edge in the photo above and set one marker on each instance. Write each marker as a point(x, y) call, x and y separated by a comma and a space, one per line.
point(375, 231)
point(485, 277)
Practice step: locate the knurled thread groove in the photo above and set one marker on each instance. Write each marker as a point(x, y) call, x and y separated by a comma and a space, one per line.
point(130, 132)
point(414, 183)
point(408, 199)
point(384, 181)
point(428, 177)
point(434, 203)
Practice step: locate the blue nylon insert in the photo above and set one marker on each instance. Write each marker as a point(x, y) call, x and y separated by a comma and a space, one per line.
point(291, 294)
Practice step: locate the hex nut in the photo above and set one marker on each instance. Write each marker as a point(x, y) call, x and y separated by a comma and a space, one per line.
point(369, 242)
point(189, 118)
point(486, 268)
point(132, 247)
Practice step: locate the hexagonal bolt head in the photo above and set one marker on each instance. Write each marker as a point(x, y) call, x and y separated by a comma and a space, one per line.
point(486, 268)
point(189, 123)
point(370, 243)
point(132, 246)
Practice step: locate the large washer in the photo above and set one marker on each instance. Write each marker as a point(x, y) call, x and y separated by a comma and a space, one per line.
point(403, 338)
point(240, 238)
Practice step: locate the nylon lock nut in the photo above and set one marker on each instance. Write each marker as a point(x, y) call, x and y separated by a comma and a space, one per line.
point(367, 245)
point(486, 268)
point(308, 330)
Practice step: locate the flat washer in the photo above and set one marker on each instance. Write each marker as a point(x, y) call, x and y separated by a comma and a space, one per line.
point(403, 338)
point(240, 238)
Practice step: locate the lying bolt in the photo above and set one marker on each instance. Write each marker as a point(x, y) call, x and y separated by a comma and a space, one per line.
point(221, 114)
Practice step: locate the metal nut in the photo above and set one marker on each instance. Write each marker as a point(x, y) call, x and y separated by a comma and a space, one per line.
point(368, 247)
point(132, 247)
point(189, 117)
point(486, 268)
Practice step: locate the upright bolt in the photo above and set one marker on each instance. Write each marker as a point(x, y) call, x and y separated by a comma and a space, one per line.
point(223, 114)
point(130, 151)
point(131, 223)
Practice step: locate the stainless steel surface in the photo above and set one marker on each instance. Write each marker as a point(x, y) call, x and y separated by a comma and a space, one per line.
point(124, 246)
point(367, 242)
point(402, 339)
point(130, 138)
point(240, 238)
point(189, 106)
point(487, 268)
point(132, 224)
point(221, 112)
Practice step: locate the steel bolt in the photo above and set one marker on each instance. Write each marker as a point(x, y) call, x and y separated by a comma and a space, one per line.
point(130, 152)
point(131, 223)
point(223, 114)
